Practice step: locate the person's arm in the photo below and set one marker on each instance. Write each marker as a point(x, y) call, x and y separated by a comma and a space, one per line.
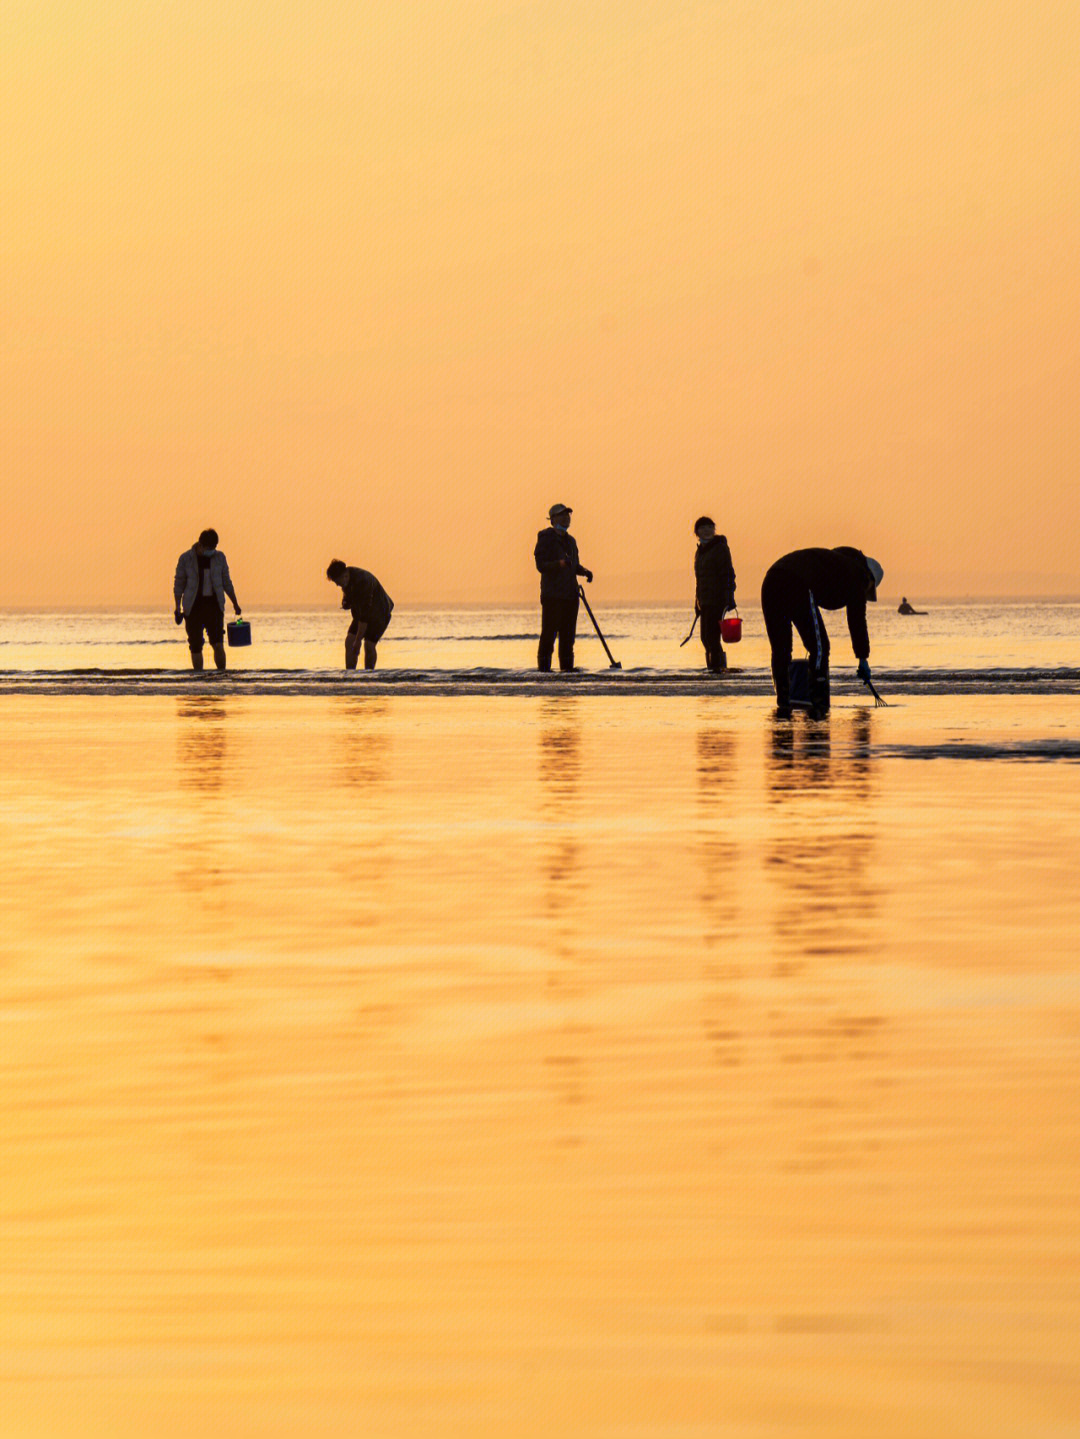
point(860, 637)
point(547, 554)
point(179, 581)
point(578, 567)
point(729, 578)
point(227, 584)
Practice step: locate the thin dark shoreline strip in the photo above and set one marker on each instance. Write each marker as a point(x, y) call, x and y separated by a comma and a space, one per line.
point(481, 681)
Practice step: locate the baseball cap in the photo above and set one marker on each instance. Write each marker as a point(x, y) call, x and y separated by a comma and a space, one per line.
point(876, 573)
point(559, 510)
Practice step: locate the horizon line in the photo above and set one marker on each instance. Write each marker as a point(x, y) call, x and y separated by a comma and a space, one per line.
point(974, 598)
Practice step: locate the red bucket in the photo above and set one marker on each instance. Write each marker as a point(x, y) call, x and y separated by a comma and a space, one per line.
point(731, 629)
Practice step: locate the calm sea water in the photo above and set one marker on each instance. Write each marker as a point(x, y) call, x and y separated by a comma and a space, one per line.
point(1040, 636)
point(572, 1061)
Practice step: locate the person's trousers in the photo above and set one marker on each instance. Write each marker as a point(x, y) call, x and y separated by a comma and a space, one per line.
point(787, 601)
point(557, 617)
point(206, 614)
point(376, 626)
point(715, 657)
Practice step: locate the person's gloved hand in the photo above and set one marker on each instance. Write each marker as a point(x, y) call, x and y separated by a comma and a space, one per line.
point(178, 615)
point(588, 577)
point(864, 671)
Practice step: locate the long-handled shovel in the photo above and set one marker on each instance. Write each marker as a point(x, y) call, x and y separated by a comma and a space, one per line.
point(615, 665)
point(690, 636)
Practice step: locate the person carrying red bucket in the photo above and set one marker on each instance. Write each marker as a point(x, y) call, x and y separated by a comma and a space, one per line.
point(715, 594)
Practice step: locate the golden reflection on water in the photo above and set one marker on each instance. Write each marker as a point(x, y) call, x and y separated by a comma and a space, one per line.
point(366, 744)
point(574, 1065)
point(559, 773)
point(202, 742)
point(819, 777)
point(827, 1040)
point(563, 880)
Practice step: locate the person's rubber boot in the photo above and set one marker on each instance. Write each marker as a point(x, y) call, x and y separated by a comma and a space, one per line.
point(719, 664)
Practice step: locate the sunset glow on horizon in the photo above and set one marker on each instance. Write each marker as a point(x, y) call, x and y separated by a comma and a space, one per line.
point(385, 281)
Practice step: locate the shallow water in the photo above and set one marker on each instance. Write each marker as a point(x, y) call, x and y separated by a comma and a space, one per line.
point(954, 636)
point(556, 1065)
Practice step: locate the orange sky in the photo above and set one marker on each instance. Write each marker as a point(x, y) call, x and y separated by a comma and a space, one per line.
point(384, 280)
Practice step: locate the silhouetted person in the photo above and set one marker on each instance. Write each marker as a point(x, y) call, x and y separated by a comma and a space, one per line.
point(556, 556)
point(906, 609)
point(202, 581)
point(715, 589)
point(795, 591)
point(371, 608)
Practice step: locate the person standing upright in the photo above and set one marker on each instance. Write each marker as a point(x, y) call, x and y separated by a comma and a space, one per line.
point(199, 588)
point(715, 589)
point(556, 556)
point(794, 592)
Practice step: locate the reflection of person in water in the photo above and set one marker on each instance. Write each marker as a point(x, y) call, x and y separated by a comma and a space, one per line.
point(560, 776)
point(202, 743)
point(907, 609)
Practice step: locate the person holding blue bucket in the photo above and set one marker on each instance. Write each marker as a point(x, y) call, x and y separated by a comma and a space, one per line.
point(200, 585)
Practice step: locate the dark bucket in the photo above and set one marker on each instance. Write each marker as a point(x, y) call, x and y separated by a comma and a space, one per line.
point(239, 632)
point(731, 629)
point(799, 685)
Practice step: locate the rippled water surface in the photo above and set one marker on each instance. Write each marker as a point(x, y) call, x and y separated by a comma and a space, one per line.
point(567, 1064)
point(952, 636)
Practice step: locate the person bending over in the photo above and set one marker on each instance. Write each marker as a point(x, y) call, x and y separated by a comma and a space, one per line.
point(371, 608)
point(794, 592)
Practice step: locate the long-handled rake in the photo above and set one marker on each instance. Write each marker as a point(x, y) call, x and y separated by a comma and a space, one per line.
point(690, 636)
point(878, 701)
point(615, 665)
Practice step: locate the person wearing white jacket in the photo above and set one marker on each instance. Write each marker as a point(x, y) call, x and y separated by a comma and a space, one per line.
point(202, 581)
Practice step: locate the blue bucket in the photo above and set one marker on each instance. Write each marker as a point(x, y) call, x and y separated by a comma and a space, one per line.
point(239, 632)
